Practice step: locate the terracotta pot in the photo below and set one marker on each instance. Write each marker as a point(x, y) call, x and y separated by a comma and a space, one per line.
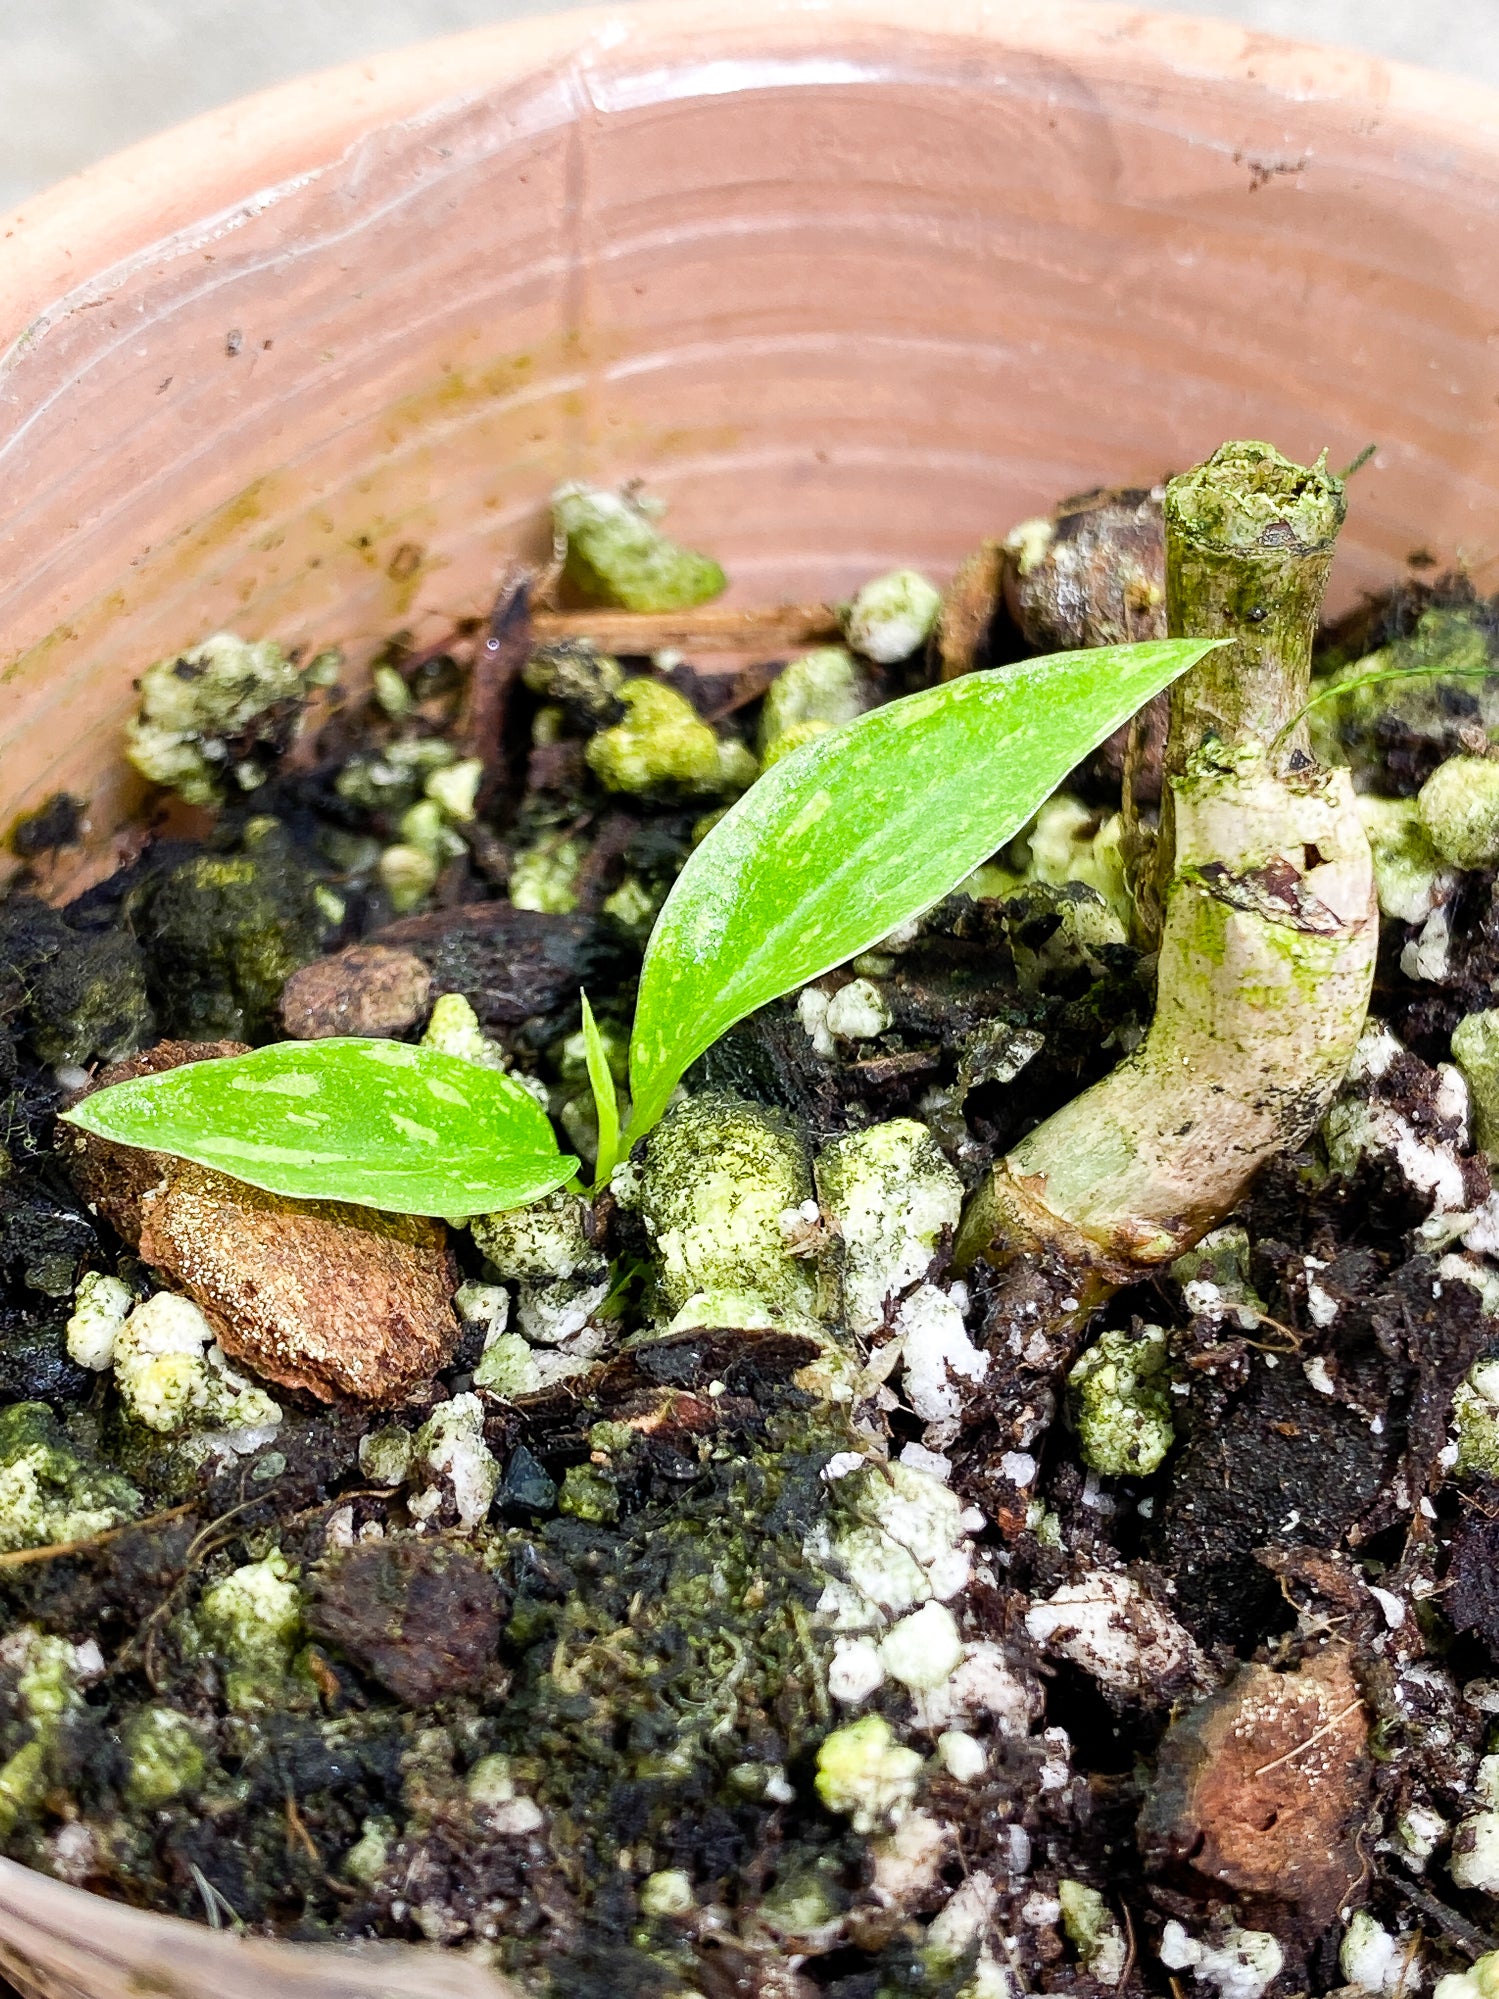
point(852, 283)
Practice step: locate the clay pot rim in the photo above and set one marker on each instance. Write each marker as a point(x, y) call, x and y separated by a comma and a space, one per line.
point(117, 211)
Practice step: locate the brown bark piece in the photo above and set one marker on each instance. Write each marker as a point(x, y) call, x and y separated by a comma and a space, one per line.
point(968, 607)
point(1101, 581)
point(1262, 1788)
point(510, 964)
point(113, 1179)
point(342, 1301)
point(338, 1300)
point(421, 1618)
point(369, 989)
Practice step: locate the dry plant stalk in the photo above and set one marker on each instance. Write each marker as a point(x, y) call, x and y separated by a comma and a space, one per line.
point(703, 628)
point(1269, 931)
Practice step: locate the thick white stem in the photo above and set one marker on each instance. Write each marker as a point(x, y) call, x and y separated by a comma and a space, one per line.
point(1266, 963)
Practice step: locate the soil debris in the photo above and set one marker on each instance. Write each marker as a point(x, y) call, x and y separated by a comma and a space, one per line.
point(320, 1296)
point(368, 989)
point(1261, 1789)
point(420, 1617)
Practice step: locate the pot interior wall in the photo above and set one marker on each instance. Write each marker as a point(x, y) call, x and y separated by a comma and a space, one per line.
point(848, 286)
point(845, 293)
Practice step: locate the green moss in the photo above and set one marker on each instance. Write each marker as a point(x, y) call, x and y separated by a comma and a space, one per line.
point(47, 1493)
point(578, 678)
point(1445, 654)
point(1475, 1050)
point(720, 1175)
point(214, 713)
point(165, 1755)
point(90, 1000)
point(1459, 806)
point(589, 1493)
point(544, 877)
point(663, 749)
point(251, 1622)
point(1121, 1403)
point(225, 932)
point(615, 554)
point(47, 1691)
point(1475, 1410)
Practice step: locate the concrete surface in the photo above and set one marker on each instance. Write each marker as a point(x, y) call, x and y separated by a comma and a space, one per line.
point(80, 78)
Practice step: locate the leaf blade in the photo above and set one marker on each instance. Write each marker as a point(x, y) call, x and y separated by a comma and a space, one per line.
point(605, 1102)
point(381, 1124)
point(859, 830)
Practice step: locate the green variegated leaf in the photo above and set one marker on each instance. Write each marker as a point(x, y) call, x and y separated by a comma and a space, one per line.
point(379, 1123)
point(601, 1078)
point(861, 829)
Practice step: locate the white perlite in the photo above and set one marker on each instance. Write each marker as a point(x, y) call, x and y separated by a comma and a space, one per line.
point(451, 1450)
point(983, 1683)
point(858, 1011)
point(962, 1756)
point(937, 1357)
point(889, 1193)
point(101, 1305)
point(1240, 1963)
point(923, 1649)
point(1108, 1626)
point(1479, 1981)
point(172, 1375)
point(909, 1544)
point(964, 1917)
point(855, 1671)
point(1359, 1125)
point(892, 616)
point(1475, 1845)
point(1376, 1962)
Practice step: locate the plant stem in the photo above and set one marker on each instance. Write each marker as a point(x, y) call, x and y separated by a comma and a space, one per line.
point(1267, 947)
point(1249, 542)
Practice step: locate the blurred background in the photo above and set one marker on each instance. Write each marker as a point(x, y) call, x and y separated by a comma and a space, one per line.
point(80, 78)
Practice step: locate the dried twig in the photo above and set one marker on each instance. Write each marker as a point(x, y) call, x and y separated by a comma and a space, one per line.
point(1129, 1955)
point(19, 1558)
point(708, 628)
point(1480, 1942)
point(1315, 1737)
point(498, 660)
point(296, 1830)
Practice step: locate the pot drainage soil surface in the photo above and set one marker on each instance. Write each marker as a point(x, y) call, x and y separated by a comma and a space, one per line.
point(649, 1591)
